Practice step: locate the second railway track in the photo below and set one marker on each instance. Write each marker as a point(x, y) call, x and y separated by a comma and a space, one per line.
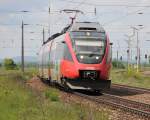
point(137, 108)
point(130, 88)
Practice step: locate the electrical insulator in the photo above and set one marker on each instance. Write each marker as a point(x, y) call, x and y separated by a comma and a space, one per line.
point(128, 51)
point(121, 58)
point(146, 56)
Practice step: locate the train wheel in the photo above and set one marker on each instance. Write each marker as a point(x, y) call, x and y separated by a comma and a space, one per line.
point(49, 81)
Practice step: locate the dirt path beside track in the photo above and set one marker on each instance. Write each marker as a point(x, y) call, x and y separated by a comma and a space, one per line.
point(143, 98)
point(36, 84)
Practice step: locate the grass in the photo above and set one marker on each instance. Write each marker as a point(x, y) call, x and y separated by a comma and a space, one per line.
point(131, 78)
point(52, 94)
point(18, 102)
point(17, 74)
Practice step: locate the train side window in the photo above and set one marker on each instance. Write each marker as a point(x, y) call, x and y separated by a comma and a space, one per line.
point(67, 54)
point(60, 51)
point(109, 57)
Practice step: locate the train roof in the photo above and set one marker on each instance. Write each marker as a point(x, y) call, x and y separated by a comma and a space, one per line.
point(87, 26)
point(78, 26)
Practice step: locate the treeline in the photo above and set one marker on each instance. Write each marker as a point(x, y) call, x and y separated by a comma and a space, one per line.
point(9, 64)
point(123, 64)
point(118, 64)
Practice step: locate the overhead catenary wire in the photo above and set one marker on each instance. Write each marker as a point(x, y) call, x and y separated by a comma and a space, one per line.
point(123, 17)
point(59, 19)
point(106, 5)
point(77, 6)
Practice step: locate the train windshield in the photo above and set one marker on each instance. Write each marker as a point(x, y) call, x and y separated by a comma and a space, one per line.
point(89, 46)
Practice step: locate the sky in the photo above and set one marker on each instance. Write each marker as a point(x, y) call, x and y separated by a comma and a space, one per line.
point(116, 16)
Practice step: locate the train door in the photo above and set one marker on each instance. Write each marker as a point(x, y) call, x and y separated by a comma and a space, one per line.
point(59, 58)
point(53, 62)
point(57, 53)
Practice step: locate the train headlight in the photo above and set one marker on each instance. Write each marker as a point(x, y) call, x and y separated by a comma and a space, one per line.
point(81, 57)
point(97, 57)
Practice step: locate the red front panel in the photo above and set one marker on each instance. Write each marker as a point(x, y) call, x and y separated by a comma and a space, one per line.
point(70, 69)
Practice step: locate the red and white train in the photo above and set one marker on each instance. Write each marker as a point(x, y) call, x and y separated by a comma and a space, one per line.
point(79, 57)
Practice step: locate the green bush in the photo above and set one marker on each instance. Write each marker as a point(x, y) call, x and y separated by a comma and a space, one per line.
point(118, 64)
point(9, 64)
point(52, 94)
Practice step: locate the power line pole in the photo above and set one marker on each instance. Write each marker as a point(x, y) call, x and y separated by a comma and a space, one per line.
point(118, 53)
point(43, 35)
point(95, 11)
point(128, 59)
point(138, 52)
point(22, 48)
point(128, 50)
point(49, 12)
point(138, 48)
point(117, 59)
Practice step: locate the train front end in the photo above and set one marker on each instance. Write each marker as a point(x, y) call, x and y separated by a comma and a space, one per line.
point(90, 62)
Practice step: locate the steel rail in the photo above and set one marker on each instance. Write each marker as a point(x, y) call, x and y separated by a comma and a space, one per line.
point(131, 88)
point(137, 108)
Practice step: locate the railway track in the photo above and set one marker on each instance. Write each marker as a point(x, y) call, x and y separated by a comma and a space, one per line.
point(138, 108)
point(130, 88)
point(141, 109)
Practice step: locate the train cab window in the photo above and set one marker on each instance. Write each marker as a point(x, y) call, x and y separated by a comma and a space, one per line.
point(89, 46)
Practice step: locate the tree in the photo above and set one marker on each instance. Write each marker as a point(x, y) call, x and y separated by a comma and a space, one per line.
point(118, 64)
point(9, 64)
